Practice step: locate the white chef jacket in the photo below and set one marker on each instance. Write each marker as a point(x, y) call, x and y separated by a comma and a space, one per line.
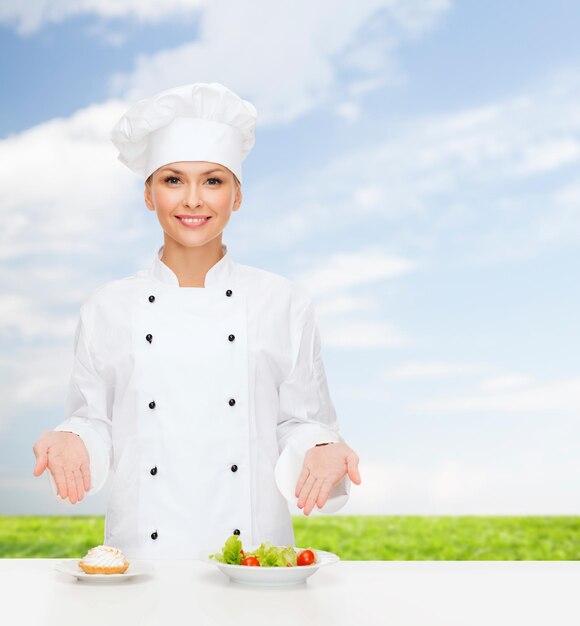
point(190, 395)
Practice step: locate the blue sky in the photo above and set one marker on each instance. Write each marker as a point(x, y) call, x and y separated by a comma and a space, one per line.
point(415, 167)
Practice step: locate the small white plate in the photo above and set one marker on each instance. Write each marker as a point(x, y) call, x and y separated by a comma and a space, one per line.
point(274, 576)
point(136, 568)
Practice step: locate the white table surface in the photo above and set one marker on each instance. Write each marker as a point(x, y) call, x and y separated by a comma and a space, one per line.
point(357, 593)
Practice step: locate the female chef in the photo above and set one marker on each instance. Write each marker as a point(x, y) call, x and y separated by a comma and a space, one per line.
point(199, 380)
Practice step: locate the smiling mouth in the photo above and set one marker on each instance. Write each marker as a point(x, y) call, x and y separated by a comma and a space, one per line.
point(193, 221)
point(193, 217)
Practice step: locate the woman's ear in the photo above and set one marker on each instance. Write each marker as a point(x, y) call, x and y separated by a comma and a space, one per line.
point(147, 196)
point(238, 199)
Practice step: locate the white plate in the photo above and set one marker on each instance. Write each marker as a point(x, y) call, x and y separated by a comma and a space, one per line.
point(274, 576)
point(136, 568)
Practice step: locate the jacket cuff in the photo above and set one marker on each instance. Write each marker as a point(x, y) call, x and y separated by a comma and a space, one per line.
point(306, 436)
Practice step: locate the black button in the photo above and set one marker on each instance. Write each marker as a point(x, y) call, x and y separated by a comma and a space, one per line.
point(152, 405)
point(232, 402)
point(149, 338)
point(153, 471)
point(231, 337)
point(236, 531)
point(228, 293)
point(151, 298)
point(154, 535)
point(234, 468)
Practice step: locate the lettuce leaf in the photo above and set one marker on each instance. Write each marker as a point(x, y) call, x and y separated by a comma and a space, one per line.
point(231, 552)
point(274, 556)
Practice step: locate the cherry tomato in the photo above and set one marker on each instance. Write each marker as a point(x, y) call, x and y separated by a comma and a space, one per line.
point(251, 560)
point(242, 553)
point(306, 557)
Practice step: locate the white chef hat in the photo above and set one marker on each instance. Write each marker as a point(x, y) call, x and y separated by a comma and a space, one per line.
point(196, 122)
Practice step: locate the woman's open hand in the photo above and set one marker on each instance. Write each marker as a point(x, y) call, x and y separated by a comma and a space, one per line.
point(67, 460)
point(324, 467)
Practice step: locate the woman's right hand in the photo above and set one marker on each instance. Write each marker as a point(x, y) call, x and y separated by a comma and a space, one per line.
point(67, 459)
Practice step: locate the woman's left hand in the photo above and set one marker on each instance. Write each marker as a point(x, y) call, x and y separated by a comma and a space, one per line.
point(324, 467)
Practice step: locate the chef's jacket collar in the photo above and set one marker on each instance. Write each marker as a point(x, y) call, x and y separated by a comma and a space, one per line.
point(218, 273)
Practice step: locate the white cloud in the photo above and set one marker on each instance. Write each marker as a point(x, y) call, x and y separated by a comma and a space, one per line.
point(361, 334)
point(330, 281)
point(62, 187)
point(301, 72)
point(369, 198)
point(454, 487)
point(548, 154)
point(20, 317)
point(344, 303)
point(28, 17)
point(102, 31)
point(554, 397)
point(34, 378)
point(509, 381)
point(416, 16)
point(343, 270)
point(437, 369)
point(365, 85)
point(25, 494)
point(349, 111)
point(464, 182)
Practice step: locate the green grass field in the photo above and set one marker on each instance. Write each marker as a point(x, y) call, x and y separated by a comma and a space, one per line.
point(364, 537)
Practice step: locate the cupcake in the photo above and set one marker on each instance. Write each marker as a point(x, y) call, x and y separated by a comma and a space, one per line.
point(104, 560)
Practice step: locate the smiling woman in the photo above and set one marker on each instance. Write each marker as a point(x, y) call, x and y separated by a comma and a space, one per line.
point(193, 201)
point(197, 379)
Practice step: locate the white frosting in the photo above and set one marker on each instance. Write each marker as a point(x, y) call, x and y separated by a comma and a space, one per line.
point(104, 556)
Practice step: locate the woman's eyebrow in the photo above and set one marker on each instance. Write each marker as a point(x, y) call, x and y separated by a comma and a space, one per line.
point(171, 169)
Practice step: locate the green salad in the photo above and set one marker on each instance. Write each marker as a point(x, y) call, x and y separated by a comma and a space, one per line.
point(266, 555)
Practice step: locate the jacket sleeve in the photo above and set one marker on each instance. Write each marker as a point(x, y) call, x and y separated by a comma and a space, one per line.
point(306, 413)
point(88, 408)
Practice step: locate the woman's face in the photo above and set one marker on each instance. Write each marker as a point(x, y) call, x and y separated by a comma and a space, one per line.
point(193, 189)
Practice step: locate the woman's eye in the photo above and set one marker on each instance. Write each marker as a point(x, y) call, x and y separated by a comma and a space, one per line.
point(170, 179)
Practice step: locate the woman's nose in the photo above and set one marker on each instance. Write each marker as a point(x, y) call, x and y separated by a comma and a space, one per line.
point(192, 196)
